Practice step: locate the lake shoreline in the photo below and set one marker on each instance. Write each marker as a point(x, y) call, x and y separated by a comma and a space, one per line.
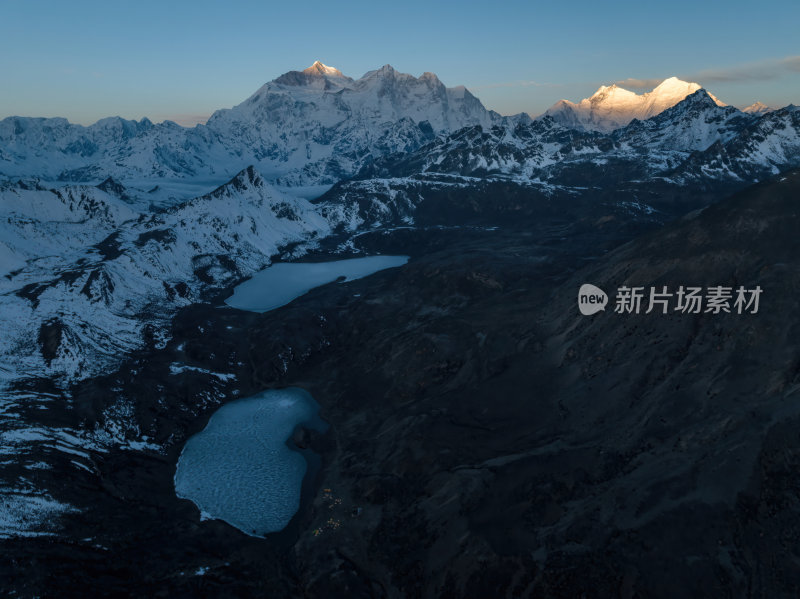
point(233, 469)
point(283, 282)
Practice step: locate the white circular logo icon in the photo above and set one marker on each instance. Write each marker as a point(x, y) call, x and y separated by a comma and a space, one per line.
point(591, 299)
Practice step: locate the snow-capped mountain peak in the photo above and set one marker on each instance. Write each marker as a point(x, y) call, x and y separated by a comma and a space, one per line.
point(612, 93)
point(322, 69)
point(757, 108)
point(386, 70)
point(612, 106)
point(387, 73)
point(318, 75)
point(669, 92)
point(674, 86)
point(290, 125)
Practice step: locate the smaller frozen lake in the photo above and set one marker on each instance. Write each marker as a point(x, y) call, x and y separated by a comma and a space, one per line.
point(239, 468)
point(280, 283)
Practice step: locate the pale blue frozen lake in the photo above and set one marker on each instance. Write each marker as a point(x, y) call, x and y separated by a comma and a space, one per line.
point(280, 283)
point(239, 468)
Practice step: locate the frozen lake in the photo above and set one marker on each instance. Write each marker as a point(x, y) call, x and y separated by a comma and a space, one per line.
point(280, 283)
point(239, 468)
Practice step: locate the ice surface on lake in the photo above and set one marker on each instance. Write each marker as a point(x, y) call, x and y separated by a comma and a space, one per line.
point(279, 284)
point(239, 468)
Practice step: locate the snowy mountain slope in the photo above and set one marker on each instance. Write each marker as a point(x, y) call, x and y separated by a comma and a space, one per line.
point(50, 225)
point(767, 146)
point(306, 127)
point(319, 126)
point(54, 149)
point(693, 124)
point(695, 146)
point(516, 150)
point(546, 151)
point(612, 107)
point(434, 200)
point(98, 288)
point(87, 275)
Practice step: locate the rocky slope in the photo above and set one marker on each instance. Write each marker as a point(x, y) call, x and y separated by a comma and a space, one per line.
point(87, 283)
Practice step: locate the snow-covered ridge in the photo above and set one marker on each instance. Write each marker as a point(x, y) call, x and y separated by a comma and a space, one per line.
point(612, 107)
point(667, 147)
point(695, 123)
point(87, 280)
point(307, 127)
point(766, 146)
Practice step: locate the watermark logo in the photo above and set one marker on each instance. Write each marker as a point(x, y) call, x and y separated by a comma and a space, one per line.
point(591, 299)
point(685, 300)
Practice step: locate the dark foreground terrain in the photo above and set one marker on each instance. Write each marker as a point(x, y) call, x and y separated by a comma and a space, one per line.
point(486, 440)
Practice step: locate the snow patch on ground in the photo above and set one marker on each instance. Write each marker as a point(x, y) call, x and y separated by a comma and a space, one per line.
point(21, 514)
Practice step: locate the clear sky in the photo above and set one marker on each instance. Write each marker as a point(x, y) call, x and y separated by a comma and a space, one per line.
point(86, 59)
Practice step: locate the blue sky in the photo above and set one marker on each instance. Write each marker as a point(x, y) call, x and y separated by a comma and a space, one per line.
point(172, 59)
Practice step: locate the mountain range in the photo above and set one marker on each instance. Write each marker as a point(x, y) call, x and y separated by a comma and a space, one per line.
point(92, 270)
point(612, 107)
point(691, 152)
point(304, 129)
point(310, 127)
point(118, 241)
